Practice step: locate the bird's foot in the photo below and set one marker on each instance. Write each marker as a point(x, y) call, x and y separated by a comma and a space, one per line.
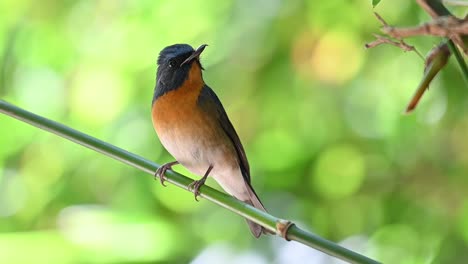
point(161, 171)
point(195, 185)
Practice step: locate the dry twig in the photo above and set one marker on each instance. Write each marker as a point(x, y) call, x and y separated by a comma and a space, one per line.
point(384, 40)
point(433, 13)
point(446, 26)
point(399, 42)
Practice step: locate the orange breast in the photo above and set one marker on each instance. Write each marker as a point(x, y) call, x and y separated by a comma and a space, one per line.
point(175, 107)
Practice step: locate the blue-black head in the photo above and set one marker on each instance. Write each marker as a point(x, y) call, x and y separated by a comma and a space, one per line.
point(174, 64)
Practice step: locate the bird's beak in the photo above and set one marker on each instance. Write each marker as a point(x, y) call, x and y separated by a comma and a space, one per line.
point(195, 54)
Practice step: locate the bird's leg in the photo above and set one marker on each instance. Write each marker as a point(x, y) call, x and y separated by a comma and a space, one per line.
point(162, 170)
point(195, 186)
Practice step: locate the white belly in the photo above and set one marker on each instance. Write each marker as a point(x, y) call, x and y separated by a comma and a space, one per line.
point(188, 152)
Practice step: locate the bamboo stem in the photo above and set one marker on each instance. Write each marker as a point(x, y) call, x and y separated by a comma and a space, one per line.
point(284, 228)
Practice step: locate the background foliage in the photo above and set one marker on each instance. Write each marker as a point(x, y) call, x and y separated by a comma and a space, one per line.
point(319, 116)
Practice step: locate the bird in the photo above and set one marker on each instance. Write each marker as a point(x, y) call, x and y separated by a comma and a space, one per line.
point(193, 127)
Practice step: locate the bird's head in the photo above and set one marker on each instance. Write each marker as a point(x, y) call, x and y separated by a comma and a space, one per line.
point(175, 63)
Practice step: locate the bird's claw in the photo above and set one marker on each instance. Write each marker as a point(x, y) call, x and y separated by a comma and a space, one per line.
point(161, 171)
point(195, 187)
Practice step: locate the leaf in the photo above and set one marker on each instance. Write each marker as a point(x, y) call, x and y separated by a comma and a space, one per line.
point(375, 3)
point(435, 61)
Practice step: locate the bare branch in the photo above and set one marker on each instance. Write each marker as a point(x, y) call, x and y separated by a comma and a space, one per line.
point(383, 40)
point(430, 7)
point(400, 43)
point(446, 26)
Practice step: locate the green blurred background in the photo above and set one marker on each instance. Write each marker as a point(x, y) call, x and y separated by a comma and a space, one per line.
point(320, 118)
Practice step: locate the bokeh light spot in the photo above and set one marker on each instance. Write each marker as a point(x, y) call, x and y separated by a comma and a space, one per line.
point(42, 90)
point(337, 57)
point(278, 149)
point(12, 193)
point(371, 111)
point(111, 235)
point(395, 244)
point(98, 96)
point(222, 253)
point(339, 172)
point(36, 247)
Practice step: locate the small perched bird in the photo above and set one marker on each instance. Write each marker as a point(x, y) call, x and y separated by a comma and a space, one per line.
point(193, 126)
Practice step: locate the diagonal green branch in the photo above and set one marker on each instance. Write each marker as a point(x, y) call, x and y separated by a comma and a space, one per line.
point(281, 227)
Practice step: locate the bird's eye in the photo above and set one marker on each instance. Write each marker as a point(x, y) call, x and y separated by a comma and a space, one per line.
point(172, 63)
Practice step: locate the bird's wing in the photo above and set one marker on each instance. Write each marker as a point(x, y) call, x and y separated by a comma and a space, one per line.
point(210, 102)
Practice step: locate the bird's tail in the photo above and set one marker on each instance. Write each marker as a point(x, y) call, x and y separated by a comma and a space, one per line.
point(255, 228)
